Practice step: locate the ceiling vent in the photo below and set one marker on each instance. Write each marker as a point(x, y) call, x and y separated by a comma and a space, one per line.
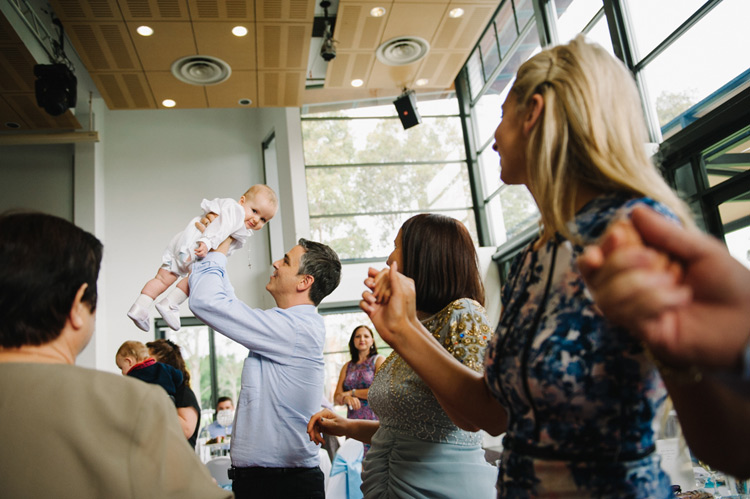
point(402, 50)
point(201, 70)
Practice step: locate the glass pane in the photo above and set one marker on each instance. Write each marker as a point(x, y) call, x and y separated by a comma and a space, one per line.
point(489, 164)
point(653, 21)
point(738, 242)
point(490, 54)
point(474, 72)
point(573, 16)
point(731, 159)
point(349, 190)
point(599, 33)
point(330, 142)
point(487, 110)
point(372, 236)
point(230, 357)
point(506, 28)
point(339, 328)
point(706, 57)
point(193, 343)
point(518, 209)
point(524, 12)
point(685, 180)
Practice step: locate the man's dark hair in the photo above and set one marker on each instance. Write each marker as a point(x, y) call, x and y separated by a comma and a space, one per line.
point(223, 399)
point(440, 256)
point(45, 261)
point(321, 262)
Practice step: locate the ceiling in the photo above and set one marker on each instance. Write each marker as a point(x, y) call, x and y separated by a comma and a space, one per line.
point(272, 66)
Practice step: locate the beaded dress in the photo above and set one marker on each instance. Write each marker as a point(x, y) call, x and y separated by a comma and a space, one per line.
point(418, 452)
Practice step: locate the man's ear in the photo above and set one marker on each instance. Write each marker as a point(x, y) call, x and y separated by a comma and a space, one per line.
point(533, 112)
point(306, 281)
point(76, 310)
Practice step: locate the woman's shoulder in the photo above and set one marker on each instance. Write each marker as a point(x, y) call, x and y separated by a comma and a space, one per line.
point(592, 221)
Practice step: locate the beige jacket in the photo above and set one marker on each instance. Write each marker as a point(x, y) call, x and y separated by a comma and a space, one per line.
point(70, 432)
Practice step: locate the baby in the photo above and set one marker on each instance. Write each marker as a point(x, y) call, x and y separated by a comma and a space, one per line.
point(234, 218)
point(133, 360)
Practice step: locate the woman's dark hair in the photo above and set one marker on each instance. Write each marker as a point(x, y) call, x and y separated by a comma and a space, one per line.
point(353, 350)
point(45, 261)
point(167, 352)
point(440, 256)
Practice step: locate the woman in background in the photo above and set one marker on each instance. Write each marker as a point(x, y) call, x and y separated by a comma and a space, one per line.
point(188, 409)
point(357, 375)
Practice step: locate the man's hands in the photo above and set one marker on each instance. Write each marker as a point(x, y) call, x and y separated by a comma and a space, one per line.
point(202, 250)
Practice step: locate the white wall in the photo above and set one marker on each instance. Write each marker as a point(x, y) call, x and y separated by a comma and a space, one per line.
point(157, 167)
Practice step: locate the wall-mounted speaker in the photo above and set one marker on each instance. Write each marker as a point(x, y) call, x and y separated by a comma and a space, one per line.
point(55, 88)
point(406, 107)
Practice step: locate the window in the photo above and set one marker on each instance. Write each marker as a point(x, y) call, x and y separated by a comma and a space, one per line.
point(213, 360)
point(366, 175)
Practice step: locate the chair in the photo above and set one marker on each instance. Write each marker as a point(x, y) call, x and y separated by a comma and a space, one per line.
point(218, 467)
point(325, 464)
point(346, 472)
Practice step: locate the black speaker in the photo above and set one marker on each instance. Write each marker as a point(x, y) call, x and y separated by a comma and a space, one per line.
point(406, 107)
point(55, 88)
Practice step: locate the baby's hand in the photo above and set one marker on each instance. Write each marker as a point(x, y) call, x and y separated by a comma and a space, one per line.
point(382, 289)
point(202, 250)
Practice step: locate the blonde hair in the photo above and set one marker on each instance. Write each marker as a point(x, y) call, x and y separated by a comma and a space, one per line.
point(591, 133)
point(134, 349)
point(262, 188)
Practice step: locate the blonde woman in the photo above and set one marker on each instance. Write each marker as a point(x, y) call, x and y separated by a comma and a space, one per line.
point(575, 395)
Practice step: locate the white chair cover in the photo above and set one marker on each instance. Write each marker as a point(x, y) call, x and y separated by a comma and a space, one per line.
point(346, 472)
point(218, 467)
point(325, 464)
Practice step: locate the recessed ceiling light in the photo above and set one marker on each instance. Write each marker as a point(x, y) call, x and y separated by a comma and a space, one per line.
point(144, 30)
point(239, 31)
point(422, 82)
point(168, 103)
point(357, 83)
point(457, 12)
point(377, 12)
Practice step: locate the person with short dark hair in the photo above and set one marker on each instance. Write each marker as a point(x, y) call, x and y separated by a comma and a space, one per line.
point(67, 431)
point(282, 377)
point(215, 429)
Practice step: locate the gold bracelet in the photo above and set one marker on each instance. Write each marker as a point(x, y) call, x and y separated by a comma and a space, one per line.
point(688, 375)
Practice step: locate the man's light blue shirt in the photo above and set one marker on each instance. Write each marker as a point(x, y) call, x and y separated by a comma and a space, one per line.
point(216, 430)
point(282, 377)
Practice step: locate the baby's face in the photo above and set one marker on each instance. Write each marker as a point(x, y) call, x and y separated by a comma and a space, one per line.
point(259, 209)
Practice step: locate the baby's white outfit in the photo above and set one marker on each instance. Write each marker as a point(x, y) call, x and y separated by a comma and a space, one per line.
point(181, 251)
point(231, 222)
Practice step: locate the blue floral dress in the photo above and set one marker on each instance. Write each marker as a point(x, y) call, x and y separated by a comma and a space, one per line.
point(580, 393)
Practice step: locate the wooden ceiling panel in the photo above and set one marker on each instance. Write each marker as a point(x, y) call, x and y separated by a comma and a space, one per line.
point(280, 88)
point(103, 46)
point(154, 10)
point(283, 46)
point(124, 90)
point(383, 76)
point(165, 86)
point(170, 41)
point(356, 29)
point(9, 117)
point(441, 68)
point(414, 19)
point(461, 33)
point(16, 68)
point(37, 118)
point(216, 39)
point(348, 66)
point(91, 10)
point(217, 10)
point(285, 10)
point(241, 85)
